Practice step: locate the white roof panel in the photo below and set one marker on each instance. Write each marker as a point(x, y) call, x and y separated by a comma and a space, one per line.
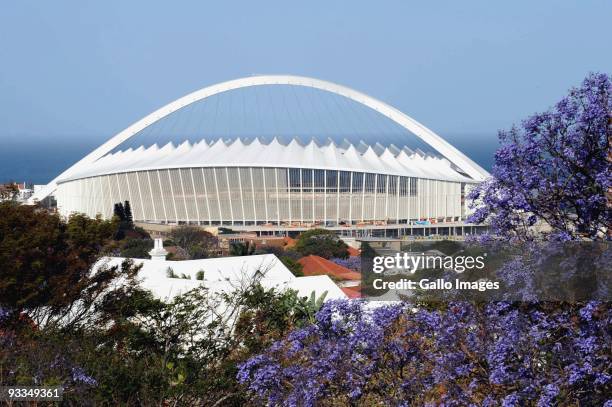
point(255, 154)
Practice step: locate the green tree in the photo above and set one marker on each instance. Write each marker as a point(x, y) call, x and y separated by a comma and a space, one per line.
point(47, 265)
point(242, 249)
point(108, 342)
point(136, 248)
point(127, 209)
point(292, 265)
point(198, 243)
point(119, 211)
point(367, 251)
point(321, 242)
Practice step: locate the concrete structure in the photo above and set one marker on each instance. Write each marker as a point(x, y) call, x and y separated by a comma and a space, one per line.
point(158, 252)
point(275, 185)
point(23, 191)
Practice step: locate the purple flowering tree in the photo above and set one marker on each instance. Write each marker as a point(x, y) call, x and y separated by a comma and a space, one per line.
point(489, 355)
point(556, 169)
point(351, 263)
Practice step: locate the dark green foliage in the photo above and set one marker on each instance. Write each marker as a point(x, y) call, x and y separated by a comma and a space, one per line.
point(242, 249)
point(197, 243)
point(292, 265)
point(367, 251)
point(321, 242)
point(151, 353)
point(200, 275)
point(45, 261)
point(170, 273)
point(124, 347)
point(119, 211)
point(269, 314)
point(275, 250)
point(127, 209)
point(136, 248)
point(122, 213)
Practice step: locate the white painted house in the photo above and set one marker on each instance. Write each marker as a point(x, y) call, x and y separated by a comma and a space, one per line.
point(223, 274)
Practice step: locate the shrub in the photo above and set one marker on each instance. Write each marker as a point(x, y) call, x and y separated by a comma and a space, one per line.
point(321, 242)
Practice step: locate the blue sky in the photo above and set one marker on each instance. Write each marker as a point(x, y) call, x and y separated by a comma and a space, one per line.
point(84, 70)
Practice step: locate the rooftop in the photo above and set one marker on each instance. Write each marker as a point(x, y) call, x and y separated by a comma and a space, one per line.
point(316, 265)
point(223, 274)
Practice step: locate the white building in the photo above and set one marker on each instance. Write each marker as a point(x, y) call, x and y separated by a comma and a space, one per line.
point(224, 274)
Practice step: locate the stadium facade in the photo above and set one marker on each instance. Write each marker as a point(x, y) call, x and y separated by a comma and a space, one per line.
point(238, 182)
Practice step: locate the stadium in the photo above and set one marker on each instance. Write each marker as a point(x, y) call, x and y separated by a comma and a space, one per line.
point(223, 157)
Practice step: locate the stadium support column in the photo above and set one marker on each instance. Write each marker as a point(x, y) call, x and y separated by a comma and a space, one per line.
point(350, 195)
point(195, 197)
point(278, 213)
point(241, 196)
point(163, 200)
point(143, 216)
point(324, 198)
point(288, 196)
point(387, 199)
point(363, 197)
point(173, 197)
point(375, 194)
point(338, 198)
point(127, 183)
point(312, 188)
point(206, 196)
point(183, 192)
point(110, 197)
point(229, 194)
point(218, 198)
point(301, 196)
point(253, 195)
point(397, 206)
point(81, 204)
point(151, 192)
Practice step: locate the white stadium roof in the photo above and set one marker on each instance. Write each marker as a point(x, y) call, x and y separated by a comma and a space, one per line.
point(237, 153)
point(389, 160)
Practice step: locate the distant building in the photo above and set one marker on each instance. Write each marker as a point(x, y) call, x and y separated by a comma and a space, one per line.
point(226, 240)
point(24, 191)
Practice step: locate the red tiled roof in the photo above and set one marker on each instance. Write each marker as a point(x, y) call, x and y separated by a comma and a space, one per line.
point(289, 242)
point(315, 265)
point(352, 292)
point(353, 252)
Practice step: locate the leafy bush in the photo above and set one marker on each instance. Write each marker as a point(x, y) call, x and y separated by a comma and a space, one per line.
point(292, 265)
point(321, 242)
point(198, 243)
point(136, 248)
point(241, 249)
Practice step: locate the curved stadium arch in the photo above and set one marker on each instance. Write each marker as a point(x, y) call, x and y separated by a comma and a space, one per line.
point(286, 185)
